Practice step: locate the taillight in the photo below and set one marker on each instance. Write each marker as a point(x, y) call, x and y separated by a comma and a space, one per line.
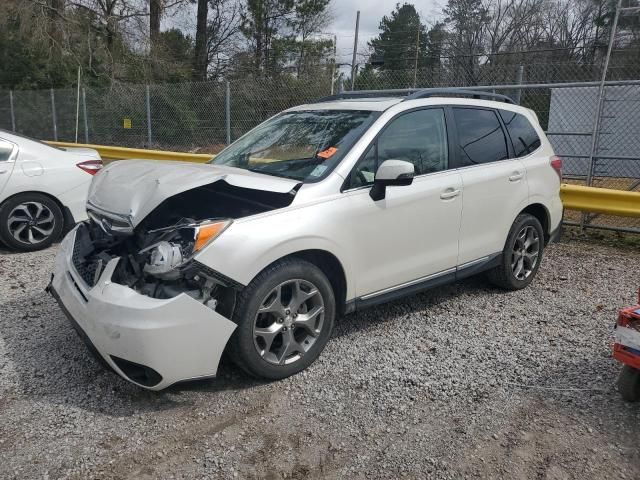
point(90, 166)
point(556, 164)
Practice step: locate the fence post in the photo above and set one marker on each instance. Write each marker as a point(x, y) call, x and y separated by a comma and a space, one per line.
point(227, 105)
point(53, 115)
point(13, 114)
point(84, 115)
point(519, 76)
point(148, 116)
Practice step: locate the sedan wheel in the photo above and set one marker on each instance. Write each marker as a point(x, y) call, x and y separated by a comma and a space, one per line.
point(31, 222)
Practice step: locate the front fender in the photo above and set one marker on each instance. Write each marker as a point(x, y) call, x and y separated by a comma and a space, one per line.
point(247, 248)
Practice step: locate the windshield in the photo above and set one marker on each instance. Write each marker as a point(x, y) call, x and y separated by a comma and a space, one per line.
point(302, 145)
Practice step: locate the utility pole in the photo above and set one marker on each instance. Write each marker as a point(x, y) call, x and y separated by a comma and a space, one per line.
point(355, 50)
point(415, 67)
point(333, 65)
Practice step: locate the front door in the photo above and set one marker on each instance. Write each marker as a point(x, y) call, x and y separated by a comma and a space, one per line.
point(413, 232)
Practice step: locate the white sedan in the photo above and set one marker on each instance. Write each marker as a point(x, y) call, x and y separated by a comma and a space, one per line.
point(43, 190)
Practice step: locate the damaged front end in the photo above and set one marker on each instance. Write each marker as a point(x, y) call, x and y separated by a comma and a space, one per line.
point(156, 255)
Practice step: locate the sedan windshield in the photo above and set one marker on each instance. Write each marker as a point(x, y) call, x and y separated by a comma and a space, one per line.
point(303, 145)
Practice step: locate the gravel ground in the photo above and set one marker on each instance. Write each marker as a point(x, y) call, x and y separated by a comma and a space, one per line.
point(463, 381)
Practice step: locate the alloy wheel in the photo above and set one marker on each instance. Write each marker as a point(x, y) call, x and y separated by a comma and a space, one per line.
point(526, 251)
point(288, 322)
point(31, 222)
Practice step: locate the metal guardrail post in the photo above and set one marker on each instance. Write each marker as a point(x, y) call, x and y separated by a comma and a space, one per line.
point(227, 105)
point(53, 115)
point(84, 115)
point(148, 97)
point(519, 76)
point(13, 114)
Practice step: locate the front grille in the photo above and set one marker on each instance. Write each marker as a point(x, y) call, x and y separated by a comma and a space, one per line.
point(86, 270)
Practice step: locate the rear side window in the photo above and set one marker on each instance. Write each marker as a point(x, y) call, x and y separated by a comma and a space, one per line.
point(480, 135)
point(5, 150)
point(523, 136)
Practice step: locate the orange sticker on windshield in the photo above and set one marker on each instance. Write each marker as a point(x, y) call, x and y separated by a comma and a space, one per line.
point(328, 153)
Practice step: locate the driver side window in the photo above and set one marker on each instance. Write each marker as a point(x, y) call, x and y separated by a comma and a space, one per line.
point(418, 137)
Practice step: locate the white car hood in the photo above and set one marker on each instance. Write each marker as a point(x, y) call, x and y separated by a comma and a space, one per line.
point(134, 188)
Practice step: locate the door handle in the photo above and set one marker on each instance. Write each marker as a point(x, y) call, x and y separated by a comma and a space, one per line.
point(449, 193)
point(3, 171)
point(515, 176)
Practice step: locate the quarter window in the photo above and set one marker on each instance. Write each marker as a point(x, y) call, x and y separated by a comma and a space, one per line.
point(419, 137)
point(523, 136)
point(5, 150)
point(480, 135)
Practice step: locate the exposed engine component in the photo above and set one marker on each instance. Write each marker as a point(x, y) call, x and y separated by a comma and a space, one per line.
point(163, 260)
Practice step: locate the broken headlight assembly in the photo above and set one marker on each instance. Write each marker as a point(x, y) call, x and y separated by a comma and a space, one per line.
point(174, 246)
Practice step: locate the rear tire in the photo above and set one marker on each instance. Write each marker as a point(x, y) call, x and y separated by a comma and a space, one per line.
point(629, 383)
point(30, 221)
point(521, 256)
point(285, 317)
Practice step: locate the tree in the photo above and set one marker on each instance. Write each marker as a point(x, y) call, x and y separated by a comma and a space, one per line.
point(155, 13)
point(262, 21)
point(310, 17)
point(467, 20)
point(398, 40)
point(216, 27)
point(200, 51)
point(435, 45)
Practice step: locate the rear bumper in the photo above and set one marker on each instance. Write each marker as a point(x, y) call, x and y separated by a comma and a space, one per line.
point(150, 342)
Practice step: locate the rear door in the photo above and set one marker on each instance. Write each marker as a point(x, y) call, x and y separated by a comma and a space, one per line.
point(494, 184)
point(7, 160)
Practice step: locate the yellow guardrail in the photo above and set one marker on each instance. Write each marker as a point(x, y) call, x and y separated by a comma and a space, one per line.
point(600, 200)
point(120, 153)
point(574, 197)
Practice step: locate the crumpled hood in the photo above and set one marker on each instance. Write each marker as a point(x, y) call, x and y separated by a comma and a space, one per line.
point(134, 188)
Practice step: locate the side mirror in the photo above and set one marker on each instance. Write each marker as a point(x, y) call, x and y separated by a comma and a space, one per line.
point(391, 173)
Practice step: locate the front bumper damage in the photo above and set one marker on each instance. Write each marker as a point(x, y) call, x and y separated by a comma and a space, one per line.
point(148, 341)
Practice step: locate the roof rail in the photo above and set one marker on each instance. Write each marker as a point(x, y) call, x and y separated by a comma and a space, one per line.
point(458, 92)
point(399, 92)
point(415, 93)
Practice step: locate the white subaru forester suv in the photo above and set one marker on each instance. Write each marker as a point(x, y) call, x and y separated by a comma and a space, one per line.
point(322, 210)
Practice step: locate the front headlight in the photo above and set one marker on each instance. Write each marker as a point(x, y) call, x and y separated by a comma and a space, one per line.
point(207, 232)
point(178, 244)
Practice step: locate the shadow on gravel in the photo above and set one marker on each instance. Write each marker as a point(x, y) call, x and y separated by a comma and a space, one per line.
point(394, 311)
point(52, 362)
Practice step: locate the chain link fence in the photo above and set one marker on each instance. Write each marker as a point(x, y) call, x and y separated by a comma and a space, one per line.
point(203, 116)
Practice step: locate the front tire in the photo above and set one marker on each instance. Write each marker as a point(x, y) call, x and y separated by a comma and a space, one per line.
point(521, 256)
point(30, 221)
point(285, 317)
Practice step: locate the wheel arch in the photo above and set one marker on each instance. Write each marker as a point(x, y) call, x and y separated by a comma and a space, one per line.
point(330, 265)
point(69, 221)
point(540, 212)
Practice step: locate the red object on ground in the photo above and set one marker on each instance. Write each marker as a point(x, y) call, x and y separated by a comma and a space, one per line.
point(626, 348)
